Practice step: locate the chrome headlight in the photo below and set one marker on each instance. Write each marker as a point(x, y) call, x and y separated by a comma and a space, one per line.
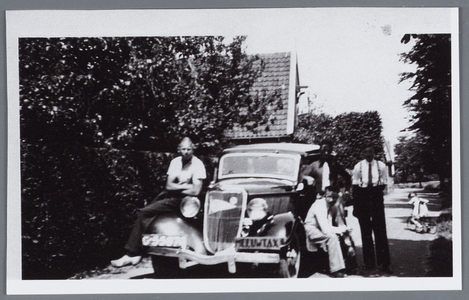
point(300, 186)
point(190, 206)
point(257, 209)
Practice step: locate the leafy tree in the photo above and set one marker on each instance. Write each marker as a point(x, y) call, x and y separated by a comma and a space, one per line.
point(62, 81)
point(88, 108)
point(349, 131)
point(431, 103)
point(353, 131)
point(409, 165)
point(140, 93)
point(313, 127)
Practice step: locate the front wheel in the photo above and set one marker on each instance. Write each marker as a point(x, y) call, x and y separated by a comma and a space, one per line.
point(432, 227)
point(289, 266)
point(410, 224)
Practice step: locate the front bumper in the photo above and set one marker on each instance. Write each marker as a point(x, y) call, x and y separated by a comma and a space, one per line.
point(230, 256)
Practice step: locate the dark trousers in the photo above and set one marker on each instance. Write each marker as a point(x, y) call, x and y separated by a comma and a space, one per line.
point(350, 258)
point(146, 215)
point(369, 209)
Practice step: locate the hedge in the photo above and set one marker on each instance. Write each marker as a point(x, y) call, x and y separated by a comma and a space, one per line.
point(78, 204)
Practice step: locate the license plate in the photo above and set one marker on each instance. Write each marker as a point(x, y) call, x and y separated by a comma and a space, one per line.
point(168, 241)
point(259, 243)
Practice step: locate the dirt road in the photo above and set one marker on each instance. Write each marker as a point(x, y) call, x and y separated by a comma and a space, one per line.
point(409, 249)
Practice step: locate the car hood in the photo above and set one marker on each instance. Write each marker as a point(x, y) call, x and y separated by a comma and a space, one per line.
point(257, 185)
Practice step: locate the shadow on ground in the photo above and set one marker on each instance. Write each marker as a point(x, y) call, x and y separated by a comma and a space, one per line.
point(211, 272)
point(431, 207)
point(409, 259)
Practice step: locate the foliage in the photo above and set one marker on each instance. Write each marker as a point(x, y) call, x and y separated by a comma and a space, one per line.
point(350, 132)
point(91, 108)
point(356, 130)
point(137, 93)
point(431, 102)
point(409, 159)
point(313, 127)
point(77, 206)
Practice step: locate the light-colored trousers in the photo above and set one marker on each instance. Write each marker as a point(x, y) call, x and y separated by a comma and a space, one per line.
point(332, 243)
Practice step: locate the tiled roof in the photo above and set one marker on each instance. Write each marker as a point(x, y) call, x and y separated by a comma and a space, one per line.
point(276, 76)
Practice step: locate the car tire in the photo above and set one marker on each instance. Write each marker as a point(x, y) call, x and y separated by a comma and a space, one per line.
point(289, 266)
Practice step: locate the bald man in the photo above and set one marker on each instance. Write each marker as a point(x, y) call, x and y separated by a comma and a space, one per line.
point(185, 177)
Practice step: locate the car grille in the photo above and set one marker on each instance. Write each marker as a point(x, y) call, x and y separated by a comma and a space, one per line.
point(223, 217)
point(279, 204)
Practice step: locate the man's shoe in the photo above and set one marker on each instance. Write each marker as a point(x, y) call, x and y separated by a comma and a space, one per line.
point(368, 271)
point(386, 270)
point(126, 260)
point(338, 274)
point(368, 268)
point(352, 271)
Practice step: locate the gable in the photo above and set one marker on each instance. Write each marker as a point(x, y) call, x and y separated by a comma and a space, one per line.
point(279, 74)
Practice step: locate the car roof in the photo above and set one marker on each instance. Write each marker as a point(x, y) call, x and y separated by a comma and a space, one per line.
point(296, 148)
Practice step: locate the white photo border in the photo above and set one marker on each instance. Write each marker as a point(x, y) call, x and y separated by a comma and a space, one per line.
point(99, 23)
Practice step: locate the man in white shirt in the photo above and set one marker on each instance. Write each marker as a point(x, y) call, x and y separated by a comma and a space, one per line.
point(322, 227)
point(185, 177)
point(369, 180)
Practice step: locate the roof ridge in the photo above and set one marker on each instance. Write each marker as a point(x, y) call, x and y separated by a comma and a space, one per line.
point(272, 54)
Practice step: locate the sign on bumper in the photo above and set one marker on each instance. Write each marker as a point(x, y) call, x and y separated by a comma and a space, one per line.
point(168, 241)
point(262, 243)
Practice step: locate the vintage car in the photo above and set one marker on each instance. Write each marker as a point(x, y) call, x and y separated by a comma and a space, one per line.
point(252, 214)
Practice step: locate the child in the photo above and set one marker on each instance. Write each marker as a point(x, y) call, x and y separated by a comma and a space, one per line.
point(420, 208)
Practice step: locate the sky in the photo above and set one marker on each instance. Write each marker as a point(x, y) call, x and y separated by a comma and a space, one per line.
point(349, 58)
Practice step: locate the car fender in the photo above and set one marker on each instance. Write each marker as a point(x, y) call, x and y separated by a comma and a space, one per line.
point(176, 225)
point(282, 226)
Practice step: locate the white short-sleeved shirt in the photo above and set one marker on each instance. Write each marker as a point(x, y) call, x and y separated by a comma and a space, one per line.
point(185, 174)
point(420, 207)
point(378, 171)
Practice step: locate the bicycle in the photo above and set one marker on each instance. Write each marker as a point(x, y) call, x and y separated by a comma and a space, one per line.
point(428, 225)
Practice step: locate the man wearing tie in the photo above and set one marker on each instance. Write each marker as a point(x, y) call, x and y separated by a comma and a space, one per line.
point(369, 180)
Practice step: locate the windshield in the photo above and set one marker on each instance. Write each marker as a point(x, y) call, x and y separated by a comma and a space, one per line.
point(259, 165)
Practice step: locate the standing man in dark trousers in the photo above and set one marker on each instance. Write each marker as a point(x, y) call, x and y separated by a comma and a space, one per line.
point(369, 180)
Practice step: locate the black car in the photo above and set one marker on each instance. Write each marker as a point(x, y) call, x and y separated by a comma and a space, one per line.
point(252, 214)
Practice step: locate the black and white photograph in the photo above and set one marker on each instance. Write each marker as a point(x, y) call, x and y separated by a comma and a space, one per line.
point(233, 150)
